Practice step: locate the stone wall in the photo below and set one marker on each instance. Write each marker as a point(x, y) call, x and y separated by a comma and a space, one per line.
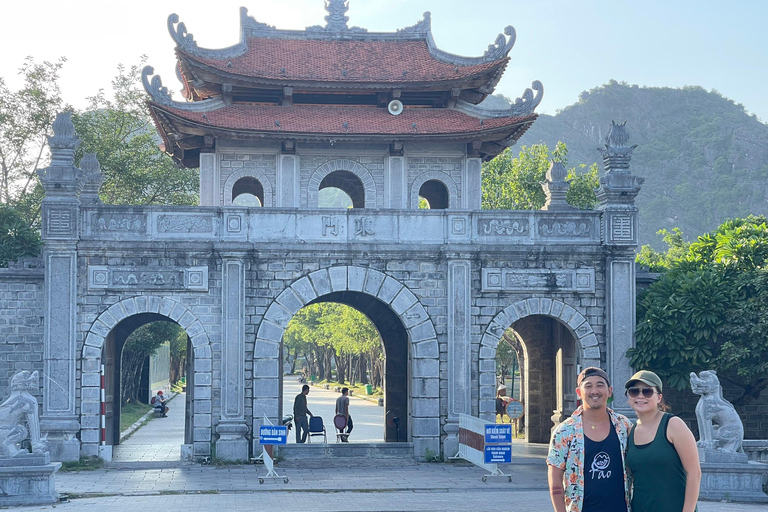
point(444, 169)
point(233, 166)
point(370, 170)
point(21, 319)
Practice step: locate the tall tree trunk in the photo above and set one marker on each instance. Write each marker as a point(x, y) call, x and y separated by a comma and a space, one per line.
point(362, 371)
point(341, 367)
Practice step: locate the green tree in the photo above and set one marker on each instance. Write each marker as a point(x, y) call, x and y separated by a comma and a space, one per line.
point(17, 238)
point(26, 116)
point(708, 311)
point(677, 248)
point(119, 129)
point(514, 183)
point(139, 345)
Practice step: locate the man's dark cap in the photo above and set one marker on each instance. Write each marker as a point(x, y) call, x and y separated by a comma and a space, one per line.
point(592, 371)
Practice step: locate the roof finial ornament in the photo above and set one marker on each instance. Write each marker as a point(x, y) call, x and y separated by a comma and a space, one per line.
point(336, 20)
point(155, 89)
point(179, 33)
point(528, 102)
point(501, 47)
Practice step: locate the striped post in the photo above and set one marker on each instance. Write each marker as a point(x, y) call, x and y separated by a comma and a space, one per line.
point(103, 409)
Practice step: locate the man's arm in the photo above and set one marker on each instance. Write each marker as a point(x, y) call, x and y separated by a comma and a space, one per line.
point(556, 492)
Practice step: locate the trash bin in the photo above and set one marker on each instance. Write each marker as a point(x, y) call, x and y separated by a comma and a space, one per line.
point(368, 389)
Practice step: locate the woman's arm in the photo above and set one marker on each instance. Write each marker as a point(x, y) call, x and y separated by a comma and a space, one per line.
point(682, 438)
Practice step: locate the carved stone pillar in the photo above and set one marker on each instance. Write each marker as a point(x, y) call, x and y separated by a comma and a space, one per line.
point(210, 184)
point(556, 188)
point(459, 351)
point(287, 182)
point(397, 195)
point(616, 199)
point(232, 428)
point(472, 194)
point(62, 182)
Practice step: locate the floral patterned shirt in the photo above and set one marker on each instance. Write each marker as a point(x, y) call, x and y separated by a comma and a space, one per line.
point(566, 451)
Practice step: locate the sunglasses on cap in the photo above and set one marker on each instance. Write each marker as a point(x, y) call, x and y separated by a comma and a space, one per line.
point(634, 392)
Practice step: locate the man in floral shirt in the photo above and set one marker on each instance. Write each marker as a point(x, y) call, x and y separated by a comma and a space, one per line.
point(586, 454)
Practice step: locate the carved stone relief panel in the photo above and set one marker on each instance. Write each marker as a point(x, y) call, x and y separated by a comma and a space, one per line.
point(567, 227)
point(184, 223)
point(135, 223)
point(516, 227)
point(538, 280)
point(60, 221)
point(147, 278)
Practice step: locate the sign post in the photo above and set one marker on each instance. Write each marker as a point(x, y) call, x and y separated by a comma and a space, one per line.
point(269, 436)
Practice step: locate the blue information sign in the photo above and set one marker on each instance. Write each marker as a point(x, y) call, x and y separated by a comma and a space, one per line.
point(499, 454)
point(269, 434)
point(515, 409)
point(498, 433)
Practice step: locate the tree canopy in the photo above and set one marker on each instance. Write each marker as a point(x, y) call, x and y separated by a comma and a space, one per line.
point(710, 310)
point(512, 182)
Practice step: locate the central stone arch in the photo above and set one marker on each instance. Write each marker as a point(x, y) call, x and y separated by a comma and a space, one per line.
point(341, 164)
point(567, 316)
point(424, 384)
point(159, 307)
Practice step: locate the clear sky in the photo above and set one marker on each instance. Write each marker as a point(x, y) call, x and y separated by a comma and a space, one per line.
point(570, 45)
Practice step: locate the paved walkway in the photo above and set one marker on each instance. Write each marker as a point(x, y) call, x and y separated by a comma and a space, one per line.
point(367, 417)
point(159, 440)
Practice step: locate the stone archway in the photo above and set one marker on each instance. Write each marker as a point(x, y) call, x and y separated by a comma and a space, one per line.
point(95, 338)
point(252, 173)
point(341, 164)
point(568, 317)
point(424, 384)
point(442, 177)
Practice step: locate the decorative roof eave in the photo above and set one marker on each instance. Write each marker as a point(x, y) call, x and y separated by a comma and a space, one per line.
point(493, 140)
point(159, 95)
point(484, 81)
point(525, 105)
point(334, 30)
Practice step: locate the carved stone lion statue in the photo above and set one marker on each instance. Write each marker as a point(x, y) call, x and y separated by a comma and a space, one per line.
point(19, 417)
point(720, 427)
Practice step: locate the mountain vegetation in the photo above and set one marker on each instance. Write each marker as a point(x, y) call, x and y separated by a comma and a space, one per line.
point(703, 157)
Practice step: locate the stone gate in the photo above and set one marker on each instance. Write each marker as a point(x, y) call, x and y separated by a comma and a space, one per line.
point(440, 284)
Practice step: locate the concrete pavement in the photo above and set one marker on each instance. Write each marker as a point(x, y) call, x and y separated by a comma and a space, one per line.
point(317, 485)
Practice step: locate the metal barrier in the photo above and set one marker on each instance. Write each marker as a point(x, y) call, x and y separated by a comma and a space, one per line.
point(472, 446)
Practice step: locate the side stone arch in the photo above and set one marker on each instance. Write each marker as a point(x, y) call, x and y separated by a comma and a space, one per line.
point(574, 321)
point(341, 164)
point(422, 338)
point(175, 311)
point(253, 173)
point(442, 177)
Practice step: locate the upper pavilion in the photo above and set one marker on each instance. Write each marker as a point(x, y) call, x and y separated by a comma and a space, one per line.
point(335, 84)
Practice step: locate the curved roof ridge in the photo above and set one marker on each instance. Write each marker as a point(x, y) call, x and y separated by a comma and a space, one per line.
point(159, 94)
point(524, 105)
point(335, 30)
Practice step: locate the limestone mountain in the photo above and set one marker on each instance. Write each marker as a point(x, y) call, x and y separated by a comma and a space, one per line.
point(703, 157)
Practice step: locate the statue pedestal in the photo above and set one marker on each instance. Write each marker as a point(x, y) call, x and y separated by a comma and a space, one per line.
point(28, 480)
point(721, 457)
point(734, 482)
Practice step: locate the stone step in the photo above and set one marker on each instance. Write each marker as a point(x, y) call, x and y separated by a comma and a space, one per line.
point(346, 451)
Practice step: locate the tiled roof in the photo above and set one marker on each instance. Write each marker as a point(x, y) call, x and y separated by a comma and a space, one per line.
point(331, 120)
point(343, 61)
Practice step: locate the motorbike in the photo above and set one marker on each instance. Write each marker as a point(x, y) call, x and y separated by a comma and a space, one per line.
point(288, 421)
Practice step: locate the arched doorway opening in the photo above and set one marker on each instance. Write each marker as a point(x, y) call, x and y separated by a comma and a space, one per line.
point(138, 361)
point(341, 189)
point(435, 193)
point(248, 191)
point(351, 340)
point(549, 363)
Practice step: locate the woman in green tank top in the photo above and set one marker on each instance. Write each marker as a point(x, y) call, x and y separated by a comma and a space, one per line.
point(661, 452)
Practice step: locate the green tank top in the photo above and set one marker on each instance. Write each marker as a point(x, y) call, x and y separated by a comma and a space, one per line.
point(658, 475)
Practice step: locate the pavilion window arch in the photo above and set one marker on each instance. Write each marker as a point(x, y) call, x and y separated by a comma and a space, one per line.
point(342, 171)
point(438, 186)
point(244, 182)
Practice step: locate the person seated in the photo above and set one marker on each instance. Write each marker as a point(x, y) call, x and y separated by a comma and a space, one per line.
point(158, 402)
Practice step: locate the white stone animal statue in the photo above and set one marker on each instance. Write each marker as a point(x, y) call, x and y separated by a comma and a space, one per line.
point(19, 417)
point(720, 427)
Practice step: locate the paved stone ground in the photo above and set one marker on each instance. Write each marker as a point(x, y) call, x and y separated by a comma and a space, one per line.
point(316, 485)
point(159, 440)
point(367, 417)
